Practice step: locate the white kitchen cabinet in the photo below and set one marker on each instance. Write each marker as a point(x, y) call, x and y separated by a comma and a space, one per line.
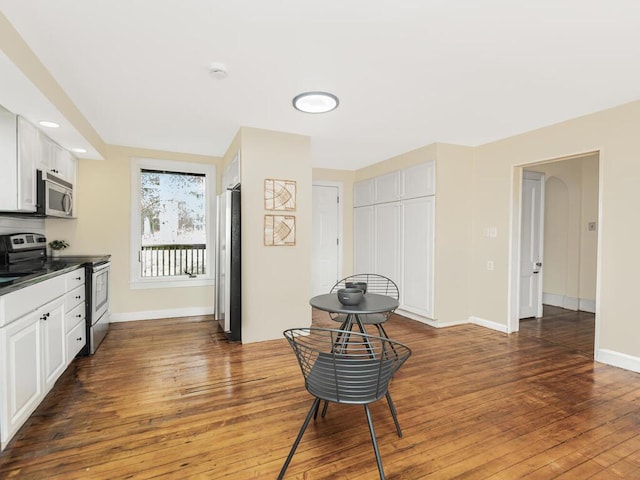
point(35, 336)
point(54, 341)
point(419, 180)
point(387, 187)
point(21, 373)
point(75, 316)
point(387, 237)
point(363, 193)
point(363, 240)
point(416, 295)
point(56, 160)
point(394, 233)
point(18, 158)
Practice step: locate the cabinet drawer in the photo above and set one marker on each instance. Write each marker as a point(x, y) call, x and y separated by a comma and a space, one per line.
point(73, 298)
point(77, 314)
point(76, 339)
point(21, 302)
point(74, 279)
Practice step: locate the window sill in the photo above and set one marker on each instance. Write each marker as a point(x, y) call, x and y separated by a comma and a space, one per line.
point(171, 283)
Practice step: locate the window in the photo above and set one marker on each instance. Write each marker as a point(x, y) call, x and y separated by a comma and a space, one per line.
point(171, 223)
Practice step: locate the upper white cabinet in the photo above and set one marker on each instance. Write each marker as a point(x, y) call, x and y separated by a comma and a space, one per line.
point(387, 188)
point(412, 182)
point(18, 163)
point(419, 180)
point(23, 150)
point(57, 160)
point(363, 193)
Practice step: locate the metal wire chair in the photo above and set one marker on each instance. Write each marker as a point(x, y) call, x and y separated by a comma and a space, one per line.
point(355, 371)
point(375, 284)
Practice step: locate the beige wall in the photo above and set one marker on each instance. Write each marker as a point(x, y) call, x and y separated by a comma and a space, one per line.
point(103, 226)
point(276, 281)
point(613, 133)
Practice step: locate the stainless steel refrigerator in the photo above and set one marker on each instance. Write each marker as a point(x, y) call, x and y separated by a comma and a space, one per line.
point(228, 298)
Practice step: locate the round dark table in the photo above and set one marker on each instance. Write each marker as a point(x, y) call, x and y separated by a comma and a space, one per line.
point(371, 303)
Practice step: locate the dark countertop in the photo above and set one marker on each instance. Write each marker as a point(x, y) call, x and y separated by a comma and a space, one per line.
point(16, 277)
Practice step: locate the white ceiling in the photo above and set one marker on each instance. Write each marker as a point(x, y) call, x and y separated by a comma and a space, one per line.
point(408, 73)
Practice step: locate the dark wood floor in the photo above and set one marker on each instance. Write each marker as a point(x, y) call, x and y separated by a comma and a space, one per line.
point(171, 399)
point(574, 330)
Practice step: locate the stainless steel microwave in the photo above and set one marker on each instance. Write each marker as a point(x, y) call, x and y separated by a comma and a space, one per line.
point(55, 196)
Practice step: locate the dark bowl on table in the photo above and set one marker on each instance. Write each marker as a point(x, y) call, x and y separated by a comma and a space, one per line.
point(361, 285)
point(350, 296)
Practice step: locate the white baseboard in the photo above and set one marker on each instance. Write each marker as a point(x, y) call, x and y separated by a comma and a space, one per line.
point(414, 316)
point(587, 305)
point(488, 324)
point(156, 314)
point(570, 303)
point(617, 359)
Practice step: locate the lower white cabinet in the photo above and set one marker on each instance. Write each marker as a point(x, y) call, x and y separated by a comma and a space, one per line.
point(418, 219)
point(387, 238)
point(363, 241)
point(38, 340)
point(21, 385)
point(53, 341)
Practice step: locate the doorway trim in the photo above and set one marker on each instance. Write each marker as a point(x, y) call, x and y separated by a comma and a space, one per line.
point(340, 207)
point(515, 210)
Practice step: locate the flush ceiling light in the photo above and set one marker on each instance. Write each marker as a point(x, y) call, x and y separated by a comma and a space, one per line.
point(46, 123)
point(79, 150)
point(315, 102)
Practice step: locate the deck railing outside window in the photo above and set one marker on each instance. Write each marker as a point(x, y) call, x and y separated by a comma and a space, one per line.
point(171, 260)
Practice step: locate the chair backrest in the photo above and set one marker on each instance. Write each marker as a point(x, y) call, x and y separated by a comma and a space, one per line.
point(346, 367)
point(375, 284)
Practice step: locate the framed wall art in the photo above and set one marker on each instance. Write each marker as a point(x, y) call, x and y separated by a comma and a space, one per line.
point(280, 195)
point(279, 230)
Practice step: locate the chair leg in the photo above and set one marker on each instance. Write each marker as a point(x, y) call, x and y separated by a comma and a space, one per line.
point(324, 409)
point(394, 414)
point(374, 441)
point(314, 408)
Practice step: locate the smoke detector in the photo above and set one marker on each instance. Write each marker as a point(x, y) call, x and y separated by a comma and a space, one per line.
point(218, 71)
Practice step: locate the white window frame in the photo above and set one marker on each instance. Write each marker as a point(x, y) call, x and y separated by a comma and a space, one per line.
point(136, 281)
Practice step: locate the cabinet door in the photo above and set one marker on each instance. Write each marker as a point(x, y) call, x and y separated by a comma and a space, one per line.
point(387, 188)
point(46, 153)
point(419, 180)
point(28, 157)
point(363, 193)
point(417, 265)
point(20, 381)
point(63, 163)
point(387, 234)
point(54, 340)
point(363, 239)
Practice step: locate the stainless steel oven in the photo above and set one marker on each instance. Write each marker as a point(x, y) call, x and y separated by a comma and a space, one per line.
point(98, 318)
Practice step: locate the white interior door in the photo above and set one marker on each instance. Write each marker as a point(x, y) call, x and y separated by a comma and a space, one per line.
point(531, 244)
point(326, 238)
